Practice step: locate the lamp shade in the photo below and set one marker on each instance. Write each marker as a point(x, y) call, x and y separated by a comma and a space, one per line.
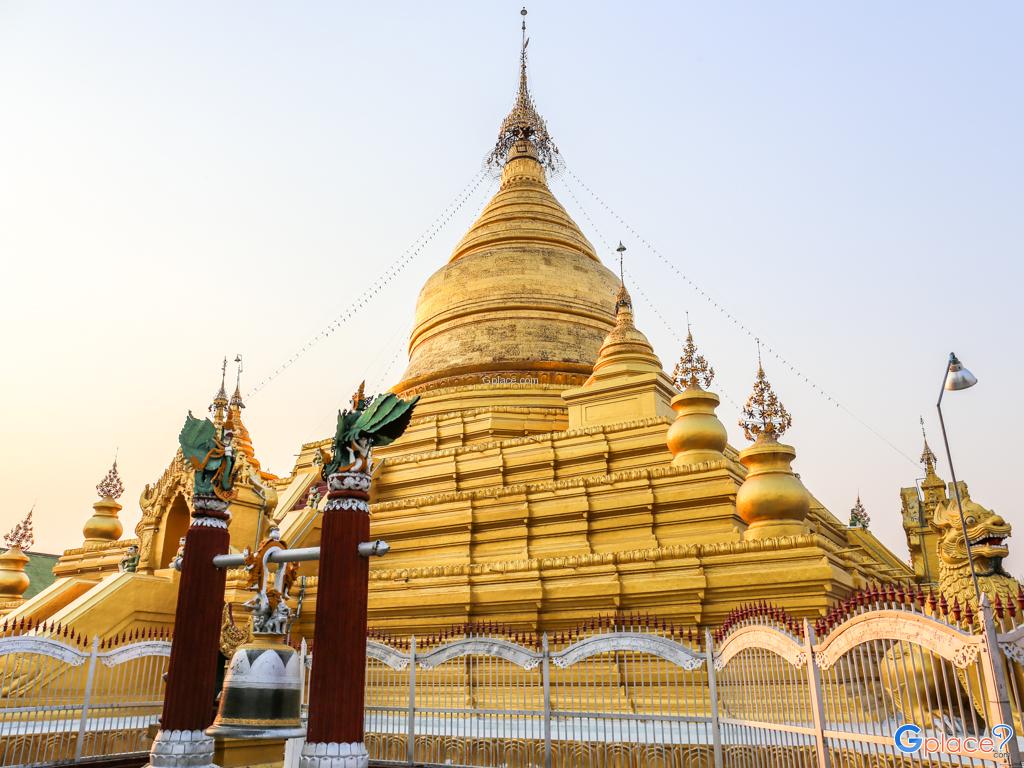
point(958, 377)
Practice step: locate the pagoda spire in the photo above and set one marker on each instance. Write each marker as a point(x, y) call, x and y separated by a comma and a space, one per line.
point(622, 298)
point(235, 427)
point(236, 398)
point(928, 459)
point(219, 406)
point(523, 122)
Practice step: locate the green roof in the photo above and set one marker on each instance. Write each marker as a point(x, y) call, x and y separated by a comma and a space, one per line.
point(39, 570)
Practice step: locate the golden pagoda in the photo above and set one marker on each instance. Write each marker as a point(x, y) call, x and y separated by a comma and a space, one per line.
point(553, 470)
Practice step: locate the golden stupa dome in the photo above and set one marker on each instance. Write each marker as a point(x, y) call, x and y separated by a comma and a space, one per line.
point(523, 298)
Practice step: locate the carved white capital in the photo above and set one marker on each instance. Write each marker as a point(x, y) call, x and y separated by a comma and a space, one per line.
point(181, 749)
point(349, 481)
point(335, 505)
point(334, 755)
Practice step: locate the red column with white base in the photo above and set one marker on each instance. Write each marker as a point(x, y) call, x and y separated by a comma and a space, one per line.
point(334, 737)
point(192, 669)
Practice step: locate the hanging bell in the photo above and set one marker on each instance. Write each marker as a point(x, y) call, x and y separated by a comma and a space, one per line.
point(262, 693)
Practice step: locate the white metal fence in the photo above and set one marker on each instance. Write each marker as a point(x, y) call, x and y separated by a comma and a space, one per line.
point(763, 690)
point(61, 703)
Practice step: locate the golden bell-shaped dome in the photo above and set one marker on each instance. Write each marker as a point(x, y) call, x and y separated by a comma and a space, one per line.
point(696, 435)
point(104, 524)
point(772, 501)
point(523, 298)
point(13, 579)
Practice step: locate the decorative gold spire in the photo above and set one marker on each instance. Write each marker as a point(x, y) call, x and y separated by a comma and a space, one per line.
point(764, 416)
point(625, 342)
point(236, 398)
point(927, 456)
point(622, 298)
point(219, 406)
point(692, 371)
point(239, 433)
point(111, 487)
point(21, 536)
point(524, 123)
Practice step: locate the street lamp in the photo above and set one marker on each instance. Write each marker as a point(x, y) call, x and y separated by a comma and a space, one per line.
point(955, 378)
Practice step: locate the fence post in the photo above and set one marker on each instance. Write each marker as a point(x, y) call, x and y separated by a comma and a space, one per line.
point(411, 727)
point(997, 704)
point(716, 725)
point(89, 676)
point(545, 671)
point(817, 705)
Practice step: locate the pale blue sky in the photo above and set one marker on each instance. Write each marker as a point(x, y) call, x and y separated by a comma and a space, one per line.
point(183, 181)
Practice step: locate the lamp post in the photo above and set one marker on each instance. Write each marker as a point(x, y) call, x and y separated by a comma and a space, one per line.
point(955, 378)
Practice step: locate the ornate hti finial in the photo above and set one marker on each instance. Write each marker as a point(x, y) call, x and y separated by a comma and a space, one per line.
point(236, 399)
point(622, 297)
point(21, 536)
point(764, 415)
point(859, 516)
point(927, 456)
point(524, 122)
point(219, 406)
point(692, 371)
point(111, 487)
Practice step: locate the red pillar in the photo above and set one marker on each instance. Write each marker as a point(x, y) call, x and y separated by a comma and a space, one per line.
point(192, 670)
point(334, 735)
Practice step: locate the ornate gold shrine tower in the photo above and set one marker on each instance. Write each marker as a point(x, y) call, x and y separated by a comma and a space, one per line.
point(553, 471)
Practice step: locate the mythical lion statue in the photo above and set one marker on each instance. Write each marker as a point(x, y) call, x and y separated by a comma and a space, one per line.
point(912, 678)
point(987, 533)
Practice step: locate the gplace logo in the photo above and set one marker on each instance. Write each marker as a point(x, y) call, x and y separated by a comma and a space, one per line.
point(908, 740)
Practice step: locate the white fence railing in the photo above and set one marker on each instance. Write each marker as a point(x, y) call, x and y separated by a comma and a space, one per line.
point(62, 704)
point(763, 691)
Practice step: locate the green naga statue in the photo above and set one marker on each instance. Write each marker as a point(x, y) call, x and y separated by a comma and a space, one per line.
point(211, 457)
point(372, 421)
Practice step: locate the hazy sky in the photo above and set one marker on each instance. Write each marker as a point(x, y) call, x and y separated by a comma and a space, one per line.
point(183, 181)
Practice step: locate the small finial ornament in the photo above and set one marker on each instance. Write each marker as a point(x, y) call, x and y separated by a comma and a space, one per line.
point(218, 407)
point(21, 536)
point(764, 415)
point(111, 487)
point(622, 297)
point(222, 393)
point(524, 123)
point(927, 455)
point(692, 371)
point(859, 517)
point(236, 398)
